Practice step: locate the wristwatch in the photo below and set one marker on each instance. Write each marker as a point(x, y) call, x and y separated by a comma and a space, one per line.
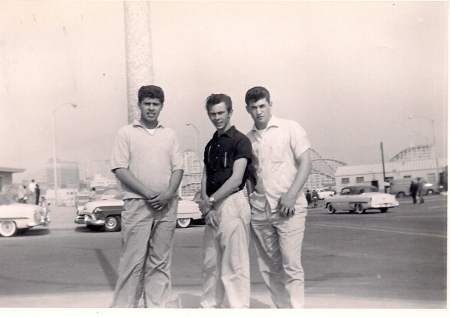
point(211, 200)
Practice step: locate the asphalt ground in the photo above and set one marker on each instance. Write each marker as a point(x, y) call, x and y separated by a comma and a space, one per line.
point(97, 302)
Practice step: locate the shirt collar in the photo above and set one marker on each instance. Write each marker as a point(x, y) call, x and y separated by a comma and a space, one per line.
point(137, 123)
point(273, 122)
point(229, 133)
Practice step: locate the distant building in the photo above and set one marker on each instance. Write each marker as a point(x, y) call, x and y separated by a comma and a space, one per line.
point(66, 196)
point(192, 176)
point(89, 169)
point(101, 181)
point(191, 163)
point(373, 174)
point(6, 178)
point(68, 175)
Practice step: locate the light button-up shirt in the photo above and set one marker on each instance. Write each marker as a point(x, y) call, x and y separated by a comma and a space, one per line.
point(275, 152)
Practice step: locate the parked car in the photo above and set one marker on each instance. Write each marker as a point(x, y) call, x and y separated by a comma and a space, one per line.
point(105, 214)
point(325, 192)
point(360, 199)
point(17, 217)
point(400, 187)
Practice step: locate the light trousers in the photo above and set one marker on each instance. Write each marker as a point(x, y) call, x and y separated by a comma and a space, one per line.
point(147, 237)
point(226, 264)
point(278, 241)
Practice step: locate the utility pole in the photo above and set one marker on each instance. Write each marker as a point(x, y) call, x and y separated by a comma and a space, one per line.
point(384, 170)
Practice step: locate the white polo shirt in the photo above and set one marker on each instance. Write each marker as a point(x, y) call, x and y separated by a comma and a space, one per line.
point(150, 158)
point(275, 152)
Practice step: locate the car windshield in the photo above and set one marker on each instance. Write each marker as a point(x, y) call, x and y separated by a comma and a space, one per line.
point(6, 200)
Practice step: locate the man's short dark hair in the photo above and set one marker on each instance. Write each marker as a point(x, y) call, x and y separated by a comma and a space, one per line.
point(256, 93)
point(151, 91)
point(215, 99)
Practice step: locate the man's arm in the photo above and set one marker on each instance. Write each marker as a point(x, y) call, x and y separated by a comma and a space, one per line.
point(287, 200)
point(126, 177)
point(204, 208)
point(232, 184)
point(161, 200)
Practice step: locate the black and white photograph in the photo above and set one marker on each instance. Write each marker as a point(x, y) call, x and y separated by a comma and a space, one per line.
point(224, 154)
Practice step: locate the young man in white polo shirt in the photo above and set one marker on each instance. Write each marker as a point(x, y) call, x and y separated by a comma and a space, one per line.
point(147, 160)
point(282, 164)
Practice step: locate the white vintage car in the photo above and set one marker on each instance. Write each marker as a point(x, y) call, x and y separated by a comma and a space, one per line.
point(325, 192)
point(17, 217)
point(105, 214)
point(360, 199)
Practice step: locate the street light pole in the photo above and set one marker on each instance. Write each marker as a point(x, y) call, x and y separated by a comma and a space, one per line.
point(423, 136)
point(434, 143)
point(196, 139)
point(55, 176)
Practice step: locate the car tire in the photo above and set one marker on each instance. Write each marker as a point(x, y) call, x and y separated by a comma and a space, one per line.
point(112, 224)
point(8, 228)
point(331, 209)
point(430, 192)
point(183, 222)
point(384, 209)
point(359, 209)
point(400, 195)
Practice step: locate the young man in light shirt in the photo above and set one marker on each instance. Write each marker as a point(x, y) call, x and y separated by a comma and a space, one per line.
point(282, 163)
point(147, 160)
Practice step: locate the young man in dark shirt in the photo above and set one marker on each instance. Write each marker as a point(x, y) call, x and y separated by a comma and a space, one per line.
point(227, 158)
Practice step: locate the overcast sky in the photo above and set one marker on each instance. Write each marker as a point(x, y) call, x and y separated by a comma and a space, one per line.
point(349, 72)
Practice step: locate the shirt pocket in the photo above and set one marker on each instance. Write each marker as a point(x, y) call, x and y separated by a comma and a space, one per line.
point(226, 160)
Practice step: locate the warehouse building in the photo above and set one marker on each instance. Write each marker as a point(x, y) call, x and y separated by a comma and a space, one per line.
point(373, 174)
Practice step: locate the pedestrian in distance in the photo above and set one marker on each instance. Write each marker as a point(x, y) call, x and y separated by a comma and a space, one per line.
point(308, 197)
point(413, 191)
point(92, 194)
point(227, 159)
point(315, 198)
point(45, 210)
point(420, 190)
point(282, 164)
point(146, 159)
point(37, 193)
point(27, 196)
point(32, 189)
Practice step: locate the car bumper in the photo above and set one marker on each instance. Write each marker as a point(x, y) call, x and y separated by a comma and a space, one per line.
point(190, 215)
point(89, 220)
point(385, 205)
point(37, 223)
point(79, 220)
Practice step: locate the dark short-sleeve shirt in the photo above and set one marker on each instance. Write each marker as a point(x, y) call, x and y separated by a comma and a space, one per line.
point(220, 154)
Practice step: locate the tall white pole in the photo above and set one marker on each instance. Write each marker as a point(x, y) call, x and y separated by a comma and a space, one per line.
point(139, 62)
point(434, 144)
point(435, 153)
point(55, 177)
point(138, 49)
point(55, 170)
